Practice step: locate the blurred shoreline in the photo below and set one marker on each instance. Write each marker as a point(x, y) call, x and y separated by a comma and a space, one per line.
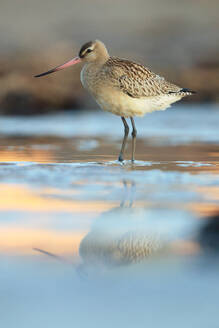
point(177, 40)
point(21, 94)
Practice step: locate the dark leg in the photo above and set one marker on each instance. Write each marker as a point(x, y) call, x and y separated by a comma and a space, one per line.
point(126, 132)
point(134, 134)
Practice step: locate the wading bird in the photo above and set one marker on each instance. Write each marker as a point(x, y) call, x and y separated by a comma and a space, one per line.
point(123, 87)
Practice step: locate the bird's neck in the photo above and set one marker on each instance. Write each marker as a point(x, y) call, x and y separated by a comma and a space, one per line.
point(96, 65)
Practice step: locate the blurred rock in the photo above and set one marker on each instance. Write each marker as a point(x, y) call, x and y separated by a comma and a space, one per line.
point(209, 235)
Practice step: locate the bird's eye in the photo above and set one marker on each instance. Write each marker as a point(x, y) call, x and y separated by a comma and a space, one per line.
point(89, 50)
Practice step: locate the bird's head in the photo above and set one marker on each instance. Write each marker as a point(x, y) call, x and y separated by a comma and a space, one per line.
point(93, 51)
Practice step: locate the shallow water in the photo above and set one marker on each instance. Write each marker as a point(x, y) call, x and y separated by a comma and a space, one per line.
point(88, 242)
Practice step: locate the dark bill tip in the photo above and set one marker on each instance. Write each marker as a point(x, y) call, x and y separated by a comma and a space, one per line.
point(46, 73)
point(58, 68)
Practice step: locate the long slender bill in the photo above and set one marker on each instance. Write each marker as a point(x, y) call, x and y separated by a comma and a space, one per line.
point(58, 68)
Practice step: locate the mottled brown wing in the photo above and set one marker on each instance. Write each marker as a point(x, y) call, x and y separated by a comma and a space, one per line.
point(136, 80)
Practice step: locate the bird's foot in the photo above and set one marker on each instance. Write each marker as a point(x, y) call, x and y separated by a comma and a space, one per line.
point(120, 159)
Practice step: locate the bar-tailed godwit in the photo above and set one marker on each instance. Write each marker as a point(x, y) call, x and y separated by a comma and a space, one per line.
point(123, 87)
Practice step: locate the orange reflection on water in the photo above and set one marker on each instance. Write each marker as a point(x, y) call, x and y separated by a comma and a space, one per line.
point(27, 155)
point(19, 197)
point(210, 205)
point(22, 239)
point(211, 193)
point(204, 209)
point(19, 240)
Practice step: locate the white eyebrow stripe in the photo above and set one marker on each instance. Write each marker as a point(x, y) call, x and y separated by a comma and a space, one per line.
point(91, 48)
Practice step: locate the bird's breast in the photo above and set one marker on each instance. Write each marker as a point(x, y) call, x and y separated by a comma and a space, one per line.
point(111, 98)
point(90, 79)
point(99, 85)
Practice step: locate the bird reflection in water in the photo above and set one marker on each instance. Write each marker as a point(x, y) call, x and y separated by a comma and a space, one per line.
point(120, 236)
point(129, 234)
